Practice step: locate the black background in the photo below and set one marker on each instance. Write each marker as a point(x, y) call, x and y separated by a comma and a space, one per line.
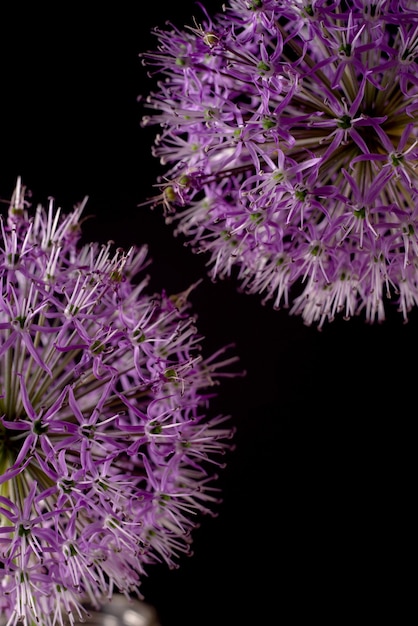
point(318, 496)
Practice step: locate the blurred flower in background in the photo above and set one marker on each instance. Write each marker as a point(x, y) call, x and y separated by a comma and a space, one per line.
point(107, 457)
point(288, 135)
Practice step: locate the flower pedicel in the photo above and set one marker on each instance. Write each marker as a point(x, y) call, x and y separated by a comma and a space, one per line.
point(106, 454)
point(288, 130)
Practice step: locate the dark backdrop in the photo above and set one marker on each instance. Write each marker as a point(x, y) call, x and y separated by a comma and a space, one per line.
point(317, 497)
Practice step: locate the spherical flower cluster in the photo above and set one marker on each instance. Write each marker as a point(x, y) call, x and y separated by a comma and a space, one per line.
point(106, 454)
point(289, 129)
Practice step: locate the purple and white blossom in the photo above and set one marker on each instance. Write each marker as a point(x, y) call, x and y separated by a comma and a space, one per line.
point(289, 140)
point(107, 455)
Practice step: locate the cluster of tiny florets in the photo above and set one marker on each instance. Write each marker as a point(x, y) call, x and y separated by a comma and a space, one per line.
point(289, 130)
point(107, 457)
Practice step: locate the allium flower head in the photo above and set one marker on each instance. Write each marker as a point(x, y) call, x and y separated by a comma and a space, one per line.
point(106, 456)
point(289, 130)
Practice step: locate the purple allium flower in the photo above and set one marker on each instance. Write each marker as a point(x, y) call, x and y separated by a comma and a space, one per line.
point(289, 129)
point(106, 456)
